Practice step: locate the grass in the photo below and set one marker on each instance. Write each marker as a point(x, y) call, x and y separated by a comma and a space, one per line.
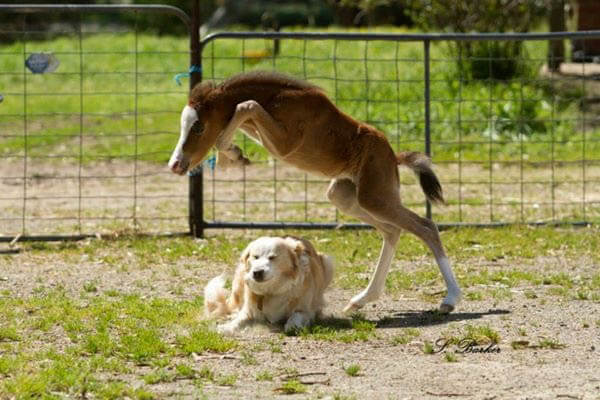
point(475, 334)
point(292, 386)
point(393, 107)
point(108, 334)
point(406, 336)
point(336, 330)
point(352, 370)
point(68, 339)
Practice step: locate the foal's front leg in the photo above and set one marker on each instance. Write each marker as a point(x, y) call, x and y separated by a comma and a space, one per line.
point(229, 154)
point(259, 124)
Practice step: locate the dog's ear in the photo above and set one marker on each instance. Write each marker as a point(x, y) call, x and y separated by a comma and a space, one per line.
point(298, 253)
point(244, 257)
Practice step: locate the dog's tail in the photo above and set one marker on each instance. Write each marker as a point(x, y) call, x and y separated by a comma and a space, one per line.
point(328, 267)
point(421, 166)
point(215, 298)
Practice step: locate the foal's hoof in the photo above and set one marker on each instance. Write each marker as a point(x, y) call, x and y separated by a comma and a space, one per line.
point(446, 308)
point(352, 307)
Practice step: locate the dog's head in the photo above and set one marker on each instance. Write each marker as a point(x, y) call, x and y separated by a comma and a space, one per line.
point(274, 265)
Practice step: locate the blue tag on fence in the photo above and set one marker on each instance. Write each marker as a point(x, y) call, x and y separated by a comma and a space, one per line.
point(42, 63)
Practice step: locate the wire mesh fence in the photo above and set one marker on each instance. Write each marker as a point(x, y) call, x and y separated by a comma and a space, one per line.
point(510, 147)
point(84, 147)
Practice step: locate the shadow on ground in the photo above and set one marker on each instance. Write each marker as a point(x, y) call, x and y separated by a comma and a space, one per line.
point(420, 318)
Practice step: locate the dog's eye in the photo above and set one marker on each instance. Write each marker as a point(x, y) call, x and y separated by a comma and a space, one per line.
point(256, 257)
point(272, 257)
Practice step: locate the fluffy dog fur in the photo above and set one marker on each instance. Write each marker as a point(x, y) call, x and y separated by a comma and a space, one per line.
point(277, 279)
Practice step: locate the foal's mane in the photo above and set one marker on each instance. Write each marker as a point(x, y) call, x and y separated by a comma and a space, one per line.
point(203, 92)
point(266, 78)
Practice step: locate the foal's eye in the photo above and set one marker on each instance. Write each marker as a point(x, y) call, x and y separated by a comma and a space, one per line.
point(197, 128)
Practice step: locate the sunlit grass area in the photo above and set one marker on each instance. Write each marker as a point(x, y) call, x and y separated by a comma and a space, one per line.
point(123, 85)
point(110, 339)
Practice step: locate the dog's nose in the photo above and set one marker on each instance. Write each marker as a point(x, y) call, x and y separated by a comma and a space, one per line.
point(258, 275)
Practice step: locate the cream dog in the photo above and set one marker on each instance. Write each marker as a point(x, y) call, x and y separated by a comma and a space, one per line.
point(277, 279)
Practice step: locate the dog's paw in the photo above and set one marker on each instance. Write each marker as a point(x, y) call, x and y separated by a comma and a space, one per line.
point(296, 323)
point(228, 328)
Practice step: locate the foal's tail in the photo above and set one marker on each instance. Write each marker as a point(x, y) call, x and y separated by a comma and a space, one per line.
point(421, 166)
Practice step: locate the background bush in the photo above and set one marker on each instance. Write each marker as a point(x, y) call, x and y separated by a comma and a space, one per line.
point(481, 60)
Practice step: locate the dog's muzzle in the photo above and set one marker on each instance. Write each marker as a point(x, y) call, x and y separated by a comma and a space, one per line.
point(258, 275)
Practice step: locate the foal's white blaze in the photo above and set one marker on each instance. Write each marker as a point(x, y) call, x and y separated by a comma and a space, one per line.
point(188, 117)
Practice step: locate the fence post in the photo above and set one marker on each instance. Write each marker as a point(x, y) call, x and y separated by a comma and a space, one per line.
point(195, 181)
point(427, 113)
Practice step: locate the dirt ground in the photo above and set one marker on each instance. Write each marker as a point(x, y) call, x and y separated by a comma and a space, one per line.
point(387, 370)
point(63, 198)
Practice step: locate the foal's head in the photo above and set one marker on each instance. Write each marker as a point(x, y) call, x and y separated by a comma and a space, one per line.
point(196, 137)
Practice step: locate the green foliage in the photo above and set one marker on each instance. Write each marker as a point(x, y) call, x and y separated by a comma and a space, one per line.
point(406, 336)
point(203, 339)
point(340, 330)
point(352, 370)
point(482, 60)
point(292, 386)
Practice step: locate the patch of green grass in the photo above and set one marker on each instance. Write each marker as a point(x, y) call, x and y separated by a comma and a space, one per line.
point(558, 291)
point(184, 371)
point(340, 330)
point(248, 358)
point(428, 348)
point(474, 295)
point(90, 287)
point(202, 339)
point(530, 294)
point(406, 336)
point(9, 333)
point(477, 334)
point(274, 346)
point(158, 376)
point(264, 376)
point(292, 386)
point(9, 364)
point(142, 345)
point(226, 380)
point(550, 343)
point(482, 334)
point(519, 344)
point(340, 396)
point(99, 343)
point(560, 279)
point(450, 356)
point(352, 370)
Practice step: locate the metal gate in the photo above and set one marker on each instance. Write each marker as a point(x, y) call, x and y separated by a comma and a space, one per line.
point(520, 150)
point(83, 104)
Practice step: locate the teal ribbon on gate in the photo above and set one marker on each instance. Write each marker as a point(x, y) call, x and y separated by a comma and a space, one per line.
point(210, 162)
point(193, 69)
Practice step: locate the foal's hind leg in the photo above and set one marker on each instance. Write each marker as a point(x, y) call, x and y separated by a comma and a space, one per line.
point(380, 199)
point(342, 193)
